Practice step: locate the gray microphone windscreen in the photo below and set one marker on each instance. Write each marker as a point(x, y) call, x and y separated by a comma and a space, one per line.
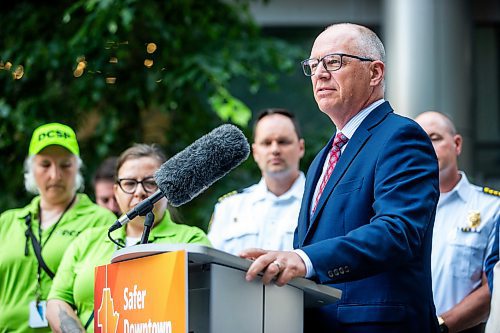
point(201, 164)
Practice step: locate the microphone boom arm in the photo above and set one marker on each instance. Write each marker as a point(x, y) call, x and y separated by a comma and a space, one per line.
point(141, 209)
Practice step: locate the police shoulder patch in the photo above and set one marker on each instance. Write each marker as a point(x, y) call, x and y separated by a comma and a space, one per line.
point(491, 191)
point(227, 195)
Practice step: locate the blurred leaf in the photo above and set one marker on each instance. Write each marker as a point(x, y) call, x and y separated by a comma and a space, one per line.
point(203, 48)
point(230, 108)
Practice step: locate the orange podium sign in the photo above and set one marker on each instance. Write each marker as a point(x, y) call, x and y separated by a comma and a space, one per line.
point(142, 295)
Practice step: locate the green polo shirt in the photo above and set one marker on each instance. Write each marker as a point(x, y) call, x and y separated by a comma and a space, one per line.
point(18, 271)
point(74, 281)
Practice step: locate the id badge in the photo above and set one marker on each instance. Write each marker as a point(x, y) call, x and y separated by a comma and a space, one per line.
point(37, 314)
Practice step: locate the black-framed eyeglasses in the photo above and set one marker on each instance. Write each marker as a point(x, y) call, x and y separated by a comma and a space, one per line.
point(331, 62)
point(129, 185)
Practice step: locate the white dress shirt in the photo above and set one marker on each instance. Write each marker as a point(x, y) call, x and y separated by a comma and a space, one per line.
point(255, 217)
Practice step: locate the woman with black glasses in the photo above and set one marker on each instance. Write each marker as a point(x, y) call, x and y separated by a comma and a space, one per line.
point(73, 288)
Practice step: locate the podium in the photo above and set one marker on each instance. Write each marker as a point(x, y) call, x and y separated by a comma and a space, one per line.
point(220, 300)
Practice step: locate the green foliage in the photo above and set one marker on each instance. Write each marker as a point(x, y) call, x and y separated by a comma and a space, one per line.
point(84, 65)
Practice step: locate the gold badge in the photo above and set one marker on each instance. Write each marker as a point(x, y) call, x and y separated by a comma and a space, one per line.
point(474, 218)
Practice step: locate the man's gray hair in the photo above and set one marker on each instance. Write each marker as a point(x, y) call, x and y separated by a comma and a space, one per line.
point(369, 44)
point(29, 176)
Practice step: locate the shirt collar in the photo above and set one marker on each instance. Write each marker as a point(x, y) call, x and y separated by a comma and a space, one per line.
point(462, 189)
point(353, 124)
point(83, 201)
point(31, 208)
point(164, 228)
point(297, 190)
point(261, 189)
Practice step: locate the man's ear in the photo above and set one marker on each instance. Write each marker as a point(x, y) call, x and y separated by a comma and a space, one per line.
point(253, 151)
point(377, 72)
point(302, 146)
point(457, 139)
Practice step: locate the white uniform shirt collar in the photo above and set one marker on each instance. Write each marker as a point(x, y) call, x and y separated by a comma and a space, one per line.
point(297, 190)
point(462, 190)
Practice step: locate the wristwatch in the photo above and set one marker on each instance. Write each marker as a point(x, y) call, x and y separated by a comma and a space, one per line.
point(442, 326)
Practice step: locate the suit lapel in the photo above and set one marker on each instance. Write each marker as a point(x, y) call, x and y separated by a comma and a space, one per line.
point(353, 148)
point(314, 173)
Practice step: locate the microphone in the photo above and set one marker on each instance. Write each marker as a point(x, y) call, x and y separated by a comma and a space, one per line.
point(193, 170)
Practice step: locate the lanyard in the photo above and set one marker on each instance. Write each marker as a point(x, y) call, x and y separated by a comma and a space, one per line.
point(55, 225)
point(39, 268)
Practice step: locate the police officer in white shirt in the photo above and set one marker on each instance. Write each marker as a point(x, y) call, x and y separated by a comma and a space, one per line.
point(265, 215)
point(463, 235)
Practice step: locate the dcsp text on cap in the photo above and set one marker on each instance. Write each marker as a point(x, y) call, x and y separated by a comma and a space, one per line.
point(54, 134)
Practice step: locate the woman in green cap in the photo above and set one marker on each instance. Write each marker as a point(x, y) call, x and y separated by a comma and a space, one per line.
point(73, 287)
point(33, 239)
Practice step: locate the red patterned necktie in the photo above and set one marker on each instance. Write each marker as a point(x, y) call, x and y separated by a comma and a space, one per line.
point(338, 142)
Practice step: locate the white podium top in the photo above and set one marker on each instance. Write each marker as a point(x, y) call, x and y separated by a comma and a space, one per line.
point(315, 295)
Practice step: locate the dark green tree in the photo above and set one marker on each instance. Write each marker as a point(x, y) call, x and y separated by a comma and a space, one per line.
point(129, 71)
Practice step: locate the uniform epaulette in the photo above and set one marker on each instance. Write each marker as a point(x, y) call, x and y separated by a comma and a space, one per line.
point(230, 194)
point(491, 191)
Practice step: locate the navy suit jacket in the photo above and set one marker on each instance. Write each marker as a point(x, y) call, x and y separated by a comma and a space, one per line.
point(371, 233)
point(493, 257)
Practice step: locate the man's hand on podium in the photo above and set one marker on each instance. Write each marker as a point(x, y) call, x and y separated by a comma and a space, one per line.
point(280, 265)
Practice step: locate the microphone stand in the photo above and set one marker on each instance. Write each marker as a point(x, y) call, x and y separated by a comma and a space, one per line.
point(148, 224)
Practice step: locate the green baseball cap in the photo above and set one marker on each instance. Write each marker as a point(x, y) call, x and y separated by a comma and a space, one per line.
point(54, 134)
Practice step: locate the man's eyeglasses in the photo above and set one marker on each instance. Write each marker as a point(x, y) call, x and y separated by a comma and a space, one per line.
point(129, 185)
point(331, 62)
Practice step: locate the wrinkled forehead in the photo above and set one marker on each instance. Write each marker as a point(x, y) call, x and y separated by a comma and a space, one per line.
point(335, 40)
point(274, 124)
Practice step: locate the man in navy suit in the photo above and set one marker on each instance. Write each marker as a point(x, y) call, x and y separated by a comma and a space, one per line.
point(365, 225)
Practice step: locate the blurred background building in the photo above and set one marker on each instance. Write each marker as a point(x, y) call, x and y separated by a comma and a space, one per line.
point(442, 55)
